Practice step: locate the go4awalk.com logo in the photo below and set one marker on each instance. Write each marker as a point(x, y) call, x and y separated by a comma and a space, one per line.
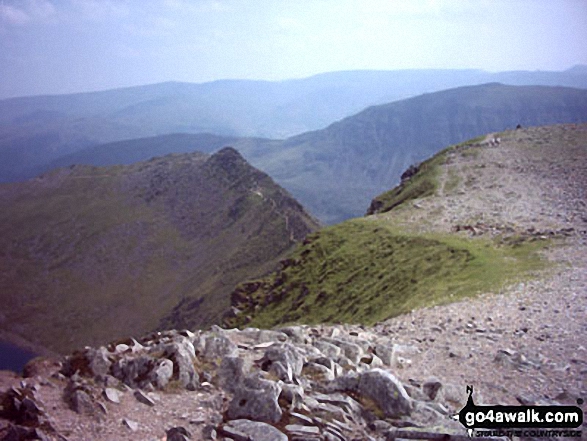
point(545, 418)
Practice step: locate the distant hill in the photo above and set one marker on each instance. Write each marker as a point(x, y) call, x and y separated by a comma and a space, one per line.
point(335, 171)
point(37, 130)
point(88, 254)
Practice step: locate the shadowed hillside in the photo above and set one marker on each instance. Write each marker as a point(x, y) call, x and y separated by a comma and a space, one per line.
point(92, 253)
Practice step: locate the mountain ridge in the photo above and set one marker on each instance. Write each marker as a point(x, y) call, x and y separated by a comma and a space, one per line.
point(335, 171)
point(53, 126)
point(408, 253)
point(103, 243)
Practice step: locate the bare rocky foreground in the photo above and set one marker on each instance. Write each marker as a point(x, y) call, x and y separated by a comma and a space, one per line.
point(525, 344)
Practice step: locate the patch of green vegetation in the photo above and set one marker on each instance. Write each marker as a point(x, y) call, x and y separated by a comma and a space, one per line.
point(422, 184)
point(471, 153)
point(366, 270)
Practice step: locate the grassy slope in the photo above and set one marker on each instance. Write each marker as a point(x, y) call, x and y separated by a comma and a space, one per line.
point(366, 270)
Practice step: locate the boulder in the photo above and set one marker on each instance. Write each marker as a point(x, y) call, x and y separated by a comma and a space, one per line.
point(317, 372)
point(386, 391)
point(80, 401)
point(256, 399)
point(135, 372)
point(89, 362)
point(328, 349)
point(246, 430)
point(216, 347)
point(231, 373)
point(431, 388)
point(183, 356)
point(350, 350)
point(178, 434)
point(296, 334)
point(286, 354)
point(162, 373)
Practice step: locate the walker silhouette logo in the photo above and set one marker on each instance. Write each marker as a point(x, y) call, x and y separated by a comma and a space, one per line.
point(517, 417)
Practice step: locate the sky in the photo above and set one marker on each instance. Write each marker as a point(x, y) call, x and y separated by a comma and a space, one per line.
point(65, 46)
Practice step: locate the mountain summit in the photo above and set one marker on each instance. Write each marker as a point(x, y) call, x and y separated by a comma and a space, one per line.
point(92, 253)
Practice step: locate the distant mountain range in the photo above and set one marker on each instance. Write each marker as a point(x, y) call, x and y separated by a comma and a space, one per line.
point(37, 130)
point(334, 172)
point(88, 254)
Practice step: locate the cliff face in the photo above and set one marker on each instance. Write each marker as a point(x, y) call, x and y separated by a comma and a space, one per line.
point(92, 253)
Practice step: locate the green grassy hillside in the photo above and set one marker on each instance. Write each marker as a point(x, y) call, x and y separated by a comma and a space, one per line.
point(366, 270)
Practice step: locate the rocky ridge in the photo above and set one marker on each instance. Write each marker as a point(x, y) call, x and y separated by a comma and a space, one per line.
point(297, 383)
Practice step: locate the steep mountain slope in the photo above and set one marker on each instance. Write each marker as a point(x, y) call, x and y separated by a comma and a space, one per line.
point(469, 220)
point(89, 254)
point(37, 130)
point(335, 172)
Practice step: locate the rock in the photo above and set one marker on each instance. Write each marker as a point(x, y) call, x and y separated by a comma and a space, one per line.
point(386, 391)
point(217, 347)
point(293, 394)
point(246, 430)
point(296, 334)
point(256, 399)
point(267, 336)
point(135, 372)
point(132, 425)
point(344, 383)
point(350, 350)
point(78, 399)
point(286, 354)
point(317, 372)
point(162, 373)
point(90, 362)
point(297, 429)
point(431, 388)
point(178, 434)
point(98, 361)
point(183, 356)
point(231, 373)
point(111, 395)
point(328, 349)
point(385, 353)
point(141, 397)
point(368, 361)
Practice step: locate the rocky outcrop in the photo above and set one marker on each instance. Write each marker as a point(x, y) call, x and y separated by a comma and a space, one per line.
point(298, 383)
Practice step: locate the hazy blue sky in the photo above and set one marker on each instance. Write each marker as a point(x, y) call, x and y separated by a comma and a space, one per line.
point(58, 46)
